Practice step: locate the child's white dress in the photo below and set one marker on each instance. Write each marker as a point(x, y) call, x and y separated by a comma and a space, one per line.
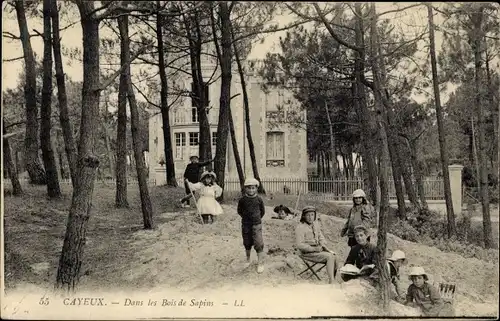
point(206, 203)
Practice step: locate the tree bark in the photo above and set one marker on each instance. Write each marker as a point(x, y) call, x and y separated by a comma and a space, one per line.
point(477, 20)
point(237, 159)
point(417, 170)
point(494, 112)
point(248, 127)
point(452, 229)
point(107, 142)
point(34, 167)
point(49, 160)
point(225, 94)
point(406, 173)
point(146, 206)
point(121, 200)
point(164, 107)
point(67, 130)
point(384, 162)
point(332, 137)
point(360, 104)
point(9, 165)
point(71, 257)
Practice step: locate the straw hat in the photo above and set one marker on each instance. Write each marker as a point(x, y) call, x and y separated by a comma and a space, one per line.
point(358, 193)
point(349, 269)
point(206, 173)
point(417, 270)
point(397, 255)
point(251, 182)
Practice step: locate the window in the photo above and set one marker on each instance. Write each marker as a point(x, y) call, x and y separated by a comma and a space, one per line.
point(194, 114)
point(180, 139)
point(275, 149)
point(206, 93)
point(214, 138)
point(193, 139)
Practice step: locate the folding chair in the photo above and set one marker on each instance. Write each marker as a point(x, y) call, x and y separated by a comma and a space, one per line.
point(310, 267)
point(447, 291)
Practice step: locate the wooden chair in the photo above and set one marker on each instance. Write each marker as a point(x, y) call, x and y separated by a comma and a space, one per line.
point(310, 267)
point(447, 291)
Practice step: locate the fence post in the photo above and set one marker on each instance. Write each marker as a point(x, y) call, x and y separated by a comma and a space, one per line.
point(455, 172)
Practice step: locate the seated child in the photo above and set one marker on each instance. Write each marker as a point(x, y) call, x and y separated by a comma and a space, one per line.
point(393, 264)
point(283, 212)
point(425, 296)
point(362, 255)
point(309, 240)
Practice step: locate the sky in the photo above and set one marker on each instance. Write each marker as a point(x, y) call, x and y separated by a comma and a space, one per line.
point(410, 20)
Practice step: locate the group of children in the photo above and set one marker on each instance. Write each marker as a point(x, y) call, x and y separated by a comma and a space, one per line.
point(310, 241)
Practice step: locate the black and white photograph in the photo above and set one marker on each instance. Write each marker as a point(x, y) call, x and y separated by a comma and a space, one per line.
point(246, 159)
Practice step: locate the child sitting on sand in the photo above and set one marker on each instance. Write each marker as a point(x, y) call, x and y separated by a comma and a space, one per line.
point(425, 296)
point(251, 209)
point(283, 212)
point(362, 255)
point(207, 205)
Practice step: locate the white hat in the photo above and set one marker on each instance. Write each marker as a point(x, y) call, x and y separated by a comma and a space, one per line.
point(251, 181)
point(349, 269)
point(206, 173)
point(358, 193)
point(397, 255)
point(417, 270)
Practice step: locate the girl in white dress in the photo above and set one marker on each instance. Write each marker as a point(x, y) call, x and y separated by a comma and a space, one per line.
point(209, 191)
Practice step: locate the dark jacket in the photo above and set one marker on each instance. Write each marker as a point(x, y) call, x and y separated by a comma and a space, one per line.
point(361, 255)
point(427, 298)
point(251, 210)
point(192, 172)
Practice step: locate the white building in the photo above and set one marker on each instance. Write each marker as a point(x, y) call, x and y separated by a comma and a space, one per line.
point(281, 151)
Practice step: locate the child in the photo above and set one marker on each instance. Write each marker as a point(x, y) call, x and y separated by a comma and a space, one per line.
point(209, 191)
point(422, 294)
point(393, 265)
point(360, 214)
point(283, 212)
point(191, 174)
point(362, 255)
point(310, 241)
point(251, 209)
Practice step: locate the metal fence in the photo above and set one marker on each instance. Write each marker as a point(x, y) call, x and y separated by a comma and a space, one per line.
point(329, 189)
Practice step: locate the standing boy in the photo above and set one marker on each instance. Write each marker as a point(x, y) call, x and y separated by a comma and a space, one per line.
point(251, 209)
point(192, 174)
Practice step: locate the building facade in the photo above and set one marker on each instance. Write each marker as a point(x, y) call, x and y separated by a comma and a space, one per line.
point(280, 149)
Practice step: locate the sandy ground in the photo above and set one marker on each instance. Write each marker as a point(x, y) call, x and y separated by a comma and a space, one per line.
point(183, 256)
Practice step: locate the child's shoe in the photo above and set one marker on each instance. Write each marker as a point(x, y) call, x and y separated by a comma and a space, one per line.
point(260, 268)
point(247, 265)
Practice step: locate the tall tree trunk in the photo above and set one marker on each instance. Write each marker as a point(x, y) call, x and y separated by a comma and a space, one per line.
point(394, 152)
point(165, 108)
point(121, 200)
point(9, 164)
point(384, 163)
point(452, 229)
point(477, 20)
point(248, 127)
point(417, 170)
point(225, 93)
point(494, 111)
point(332, 136)
point(237, 159)
point(67, 130)
point(109, 152)
point(406, 173)
point(49, 160)
point(71, 257)
point(360, 104)
point(34, 167)
point(146, 206)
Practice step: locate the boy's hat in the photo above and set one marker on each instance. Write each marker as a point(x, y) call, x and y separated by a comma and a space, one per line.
point(397, 255)
point(358, 193)
point(308, 209)
point(417, 270)
point(251, 181)
point(361, 228)
point(207, 173)
point(194, 156)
